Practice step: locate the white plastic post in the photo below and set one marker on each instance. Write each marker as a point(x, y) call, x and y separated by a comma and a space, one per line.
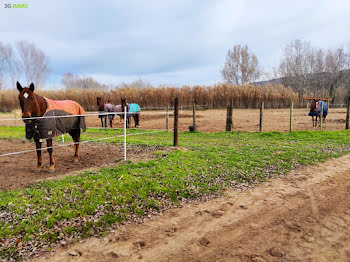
point(62, 138)
point(125, 133)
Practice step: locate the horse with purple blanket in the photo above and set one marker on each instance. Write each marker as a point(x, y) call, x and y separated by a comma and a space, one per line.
point(108, 107)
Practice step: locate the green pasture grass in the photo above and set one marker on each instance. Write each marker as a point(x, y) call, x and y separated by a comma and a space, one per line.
point(205, 164)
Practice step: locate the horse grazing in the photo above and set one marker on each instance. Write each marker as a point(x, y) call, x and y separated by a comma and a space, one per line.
point(315, 111)
point(133, 110)
point(51, 125)
point(108, 107)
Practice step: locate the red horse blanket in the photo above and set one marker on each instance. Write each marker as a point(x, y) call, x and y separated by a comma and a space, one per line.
point(59, 119)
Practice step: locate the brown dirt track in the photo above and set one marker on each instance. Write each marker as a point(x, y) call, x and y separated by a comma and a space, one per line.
point(304, 216)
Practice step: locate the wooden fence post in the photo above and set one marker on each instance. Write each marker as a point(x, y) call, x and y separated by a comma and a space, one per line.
point(347, 115)
point(229, 122)
point(176, 121)
point(167, 118)
point(194, 114)
point(261, 116)
point(291, 117)
point(321, 116)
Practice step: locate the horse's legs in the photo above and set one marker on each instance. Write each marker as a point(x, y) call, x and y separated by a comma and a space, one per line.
point(38, 153)
point(136, 119)
point(111, 120)
point(101, 121)
point(50, 150)
point(75, 133)
point(105, 121)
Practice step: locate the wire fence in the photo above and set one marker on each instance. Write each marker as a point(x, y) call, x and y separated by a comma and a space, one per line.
point(125, 135)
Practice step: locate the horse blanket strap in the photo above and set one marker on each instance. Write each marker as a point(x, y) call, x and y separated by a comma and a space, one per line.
point(45, 128)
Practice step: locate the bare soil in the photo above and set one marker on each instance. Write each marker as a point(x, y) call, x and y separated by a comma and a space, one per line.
point(20, 170)
point(304, 216)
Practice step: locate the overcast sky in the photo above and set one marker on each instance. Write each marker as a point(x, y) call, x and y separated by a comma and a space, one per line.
point(168, 42)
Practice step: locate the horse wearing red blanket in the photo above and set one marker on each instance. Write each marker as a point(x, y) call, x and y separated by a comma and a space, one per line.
point(51, 118)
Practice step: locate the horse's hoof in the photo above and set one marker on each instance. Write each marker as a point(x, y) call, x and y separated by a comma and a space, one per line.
point(51, 169)
point(75, 160)
point(38, 169)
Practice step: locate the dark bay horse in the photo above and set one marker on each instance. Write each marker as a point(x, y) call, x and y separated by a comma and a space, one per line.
point(108, 107)
point(315, 111)
point(133, 110)
point(51, 125)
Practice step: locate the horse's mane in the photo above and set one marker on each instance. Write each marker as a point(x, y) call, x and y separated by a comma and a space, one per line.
point(41, 104)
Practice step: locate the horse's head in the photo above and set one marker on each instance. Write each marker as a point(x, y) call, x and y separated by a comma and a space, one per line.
point(29, 106)
point(123, 100)
point(100, 103)
point(313, 106)
point(27, 100)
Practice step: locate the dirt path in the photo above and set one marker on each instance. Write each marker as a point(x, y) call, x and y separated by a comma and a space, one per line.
point(304, 216)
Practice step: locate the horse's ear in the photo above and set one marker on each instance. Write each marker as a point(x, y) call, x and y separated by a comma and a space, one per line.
point(19, 87)
point(31, 87)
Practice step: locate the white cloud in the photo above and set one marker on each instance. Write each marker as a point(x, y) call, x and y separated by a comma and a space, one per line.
point(168, 42)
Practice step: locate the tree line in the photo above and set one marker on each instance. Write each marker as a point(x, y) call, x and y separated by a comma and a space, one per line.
point(306, 68)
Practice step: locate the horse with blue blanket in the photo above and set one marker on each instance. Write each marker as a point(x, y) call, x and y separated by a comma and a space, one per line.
point(133, 110)
point(316, 107)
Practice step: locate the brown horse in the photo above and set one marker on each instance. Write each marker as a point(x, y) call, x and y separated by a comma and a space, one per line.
point(314, 112)
point(101, 110)
point(133, 110)
point(34, 105)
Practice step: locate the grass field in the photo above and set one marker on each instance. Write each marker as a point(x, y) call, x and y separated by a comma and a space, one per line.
point(92, 202)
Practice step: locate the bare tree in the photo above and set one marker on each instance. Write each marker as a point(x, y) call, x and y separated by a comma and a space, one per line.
point(71, 81)
point(8, 68)
point(241, 66)
point(336, 64)
point(299, 61)
point(33, 63)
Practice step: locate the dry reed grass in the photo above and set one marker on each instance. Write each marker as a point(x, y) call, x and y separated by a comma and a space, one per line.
point(217, 96)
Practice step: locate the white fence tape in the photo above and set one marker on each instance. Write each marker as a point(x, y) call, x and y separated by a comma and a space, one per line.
point(82, 142)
